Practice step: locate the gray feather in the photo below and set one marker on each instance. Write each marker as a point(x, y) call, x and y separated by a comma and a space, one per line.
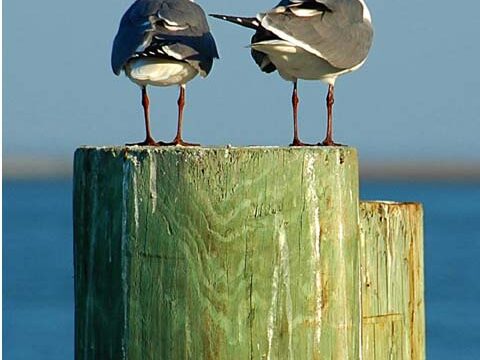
point(261, 59)
point(341, 35)
point(148, 21)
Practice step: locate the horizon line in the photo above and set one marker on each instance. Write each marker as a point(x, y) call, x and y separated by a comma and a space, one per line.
point(394, 170)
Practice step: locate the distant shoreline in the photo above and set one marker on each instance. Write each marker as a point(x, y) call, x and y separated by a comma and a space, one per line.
point(50, 169)
point(36, 169)
point(420, 171)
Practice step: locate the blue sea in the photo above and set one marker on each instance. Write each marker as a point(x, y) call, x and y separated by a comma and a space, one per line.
point(38, 271)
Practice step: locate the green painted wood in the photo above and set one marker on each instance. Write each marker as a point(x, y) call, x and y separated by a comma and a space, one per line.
point(217, 253)
point(392, 281)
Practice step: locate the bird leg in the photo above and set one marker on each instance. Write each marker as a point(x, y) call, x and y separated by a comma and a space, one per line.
point(330, 101)
point(149, 141)
point(295, 101)
point(178, 141)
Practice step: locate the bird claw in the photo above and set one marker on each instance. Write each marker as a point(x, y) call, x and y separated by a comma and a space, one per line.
point(298, 143)
point(177, 142)
point(329, 143)
point(146, 142)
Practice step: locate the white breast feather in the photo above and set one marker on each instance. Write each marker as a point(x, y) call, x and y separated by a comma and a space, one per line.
point(366, 13)
point(159, 72)
point(305, 12)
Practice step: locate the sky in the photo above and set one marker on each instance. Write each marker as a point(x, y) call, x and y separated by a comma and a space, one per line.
point(416, 98)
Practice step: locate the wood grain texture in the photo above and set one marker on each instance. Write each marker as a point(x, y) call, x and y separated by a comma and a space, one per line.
point(392, 281)
point(217, 253)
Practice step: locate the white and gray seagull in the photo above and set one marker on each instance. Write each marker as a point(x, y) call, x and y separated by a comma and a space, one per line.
point(310, 40)
point(163, 43)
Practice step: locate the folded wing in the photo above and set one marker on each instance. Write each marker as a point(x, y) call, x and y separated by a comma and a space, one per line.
point(177, 29)
point(334, 30)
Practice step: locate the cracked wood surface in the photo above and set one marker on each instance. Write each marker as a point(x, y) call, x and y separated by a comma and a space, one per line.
point(217, 253)
point(241, 254)
point(392, 281)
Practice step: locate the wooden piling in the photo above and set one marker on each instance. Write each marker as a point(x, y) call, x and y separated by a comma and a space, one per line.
point(225, 253)
point(217, 253)
point(393, 304)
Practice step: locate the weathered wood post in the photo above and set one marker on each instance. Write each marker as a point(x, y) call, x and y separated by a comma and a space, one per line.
point(217, 253)
point(249, 253)
point(392, 280)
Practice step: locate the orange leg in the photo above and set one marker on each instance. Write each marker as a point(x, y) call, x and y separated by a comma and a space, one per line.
point(295, 101)
point(149, 141)
point(178, 141)
point(330, 101)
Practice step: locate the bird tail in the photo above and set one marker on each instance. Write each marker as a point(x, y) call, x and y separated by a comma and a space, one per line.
point(249, 22)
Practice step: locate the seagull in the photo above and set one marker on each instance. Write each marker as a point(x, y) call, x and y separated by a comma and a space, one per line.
point(163, 43)
point(310, 40)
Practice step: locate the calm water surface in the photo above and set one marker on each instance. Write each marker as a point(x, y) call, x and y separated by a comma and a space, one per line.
point(38, 271)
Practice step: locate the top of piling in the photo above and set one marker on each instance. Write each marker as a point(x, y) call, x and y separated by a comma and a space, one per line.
point(224, 149)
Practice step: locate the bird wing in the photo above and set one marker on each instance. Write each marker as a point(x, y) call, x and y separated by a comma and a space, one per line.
point(261, 34)
point(261, 59)
point(334, 30)
point(178, 27)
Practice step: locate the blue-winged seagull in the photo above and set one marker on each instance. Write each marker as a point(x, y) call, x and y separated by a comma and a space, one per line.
point(163, 43)
point(310, 40)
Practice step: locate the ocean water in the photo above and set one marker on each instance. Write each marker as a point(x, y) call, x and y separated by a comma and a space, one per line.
point(38, 272)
